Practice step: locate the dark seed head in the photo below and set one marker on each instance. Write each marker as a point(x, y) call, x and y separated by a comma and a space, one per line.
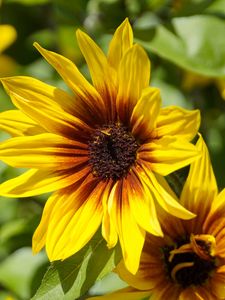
point(112, 152)
point(197, 273)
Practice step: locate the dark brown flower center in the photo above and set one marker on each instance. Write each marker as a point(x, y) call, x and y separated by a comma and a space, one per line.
point(112, 152)
point(189, 263)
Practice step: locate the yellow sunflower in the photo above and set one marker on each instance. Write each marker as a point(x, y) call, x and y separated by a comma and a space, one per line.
point(193, 80)
point(103, 150)
point(7, 37)
point(188, 263)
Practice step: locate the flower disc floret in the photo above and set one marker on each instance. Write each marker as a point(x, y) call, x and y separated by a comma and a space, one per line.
point(187, 268)
point(112, 152)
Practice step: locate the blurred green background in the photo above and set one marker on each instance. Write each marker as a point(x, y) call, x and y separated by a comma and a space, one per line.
point(185, 41)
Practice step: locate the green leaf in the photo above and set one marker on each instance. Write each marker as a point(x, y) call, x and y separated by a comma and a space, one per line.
point(108, 284)
point(177, 179)
point(7, 296)
point(16, 271)
point(217, 6)
point(197, 45)
point(28, 2)
point(170, 94)
point(73, 277)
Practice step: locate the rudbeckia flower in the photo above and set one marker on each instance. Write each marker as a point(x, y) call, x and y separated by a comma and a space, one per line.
point(102, 150)
point(7, 37)
point(188, 263)
point(193, 80)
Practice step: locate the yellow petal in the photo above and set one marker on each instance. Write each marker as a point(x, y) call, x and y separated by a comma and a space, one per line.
point(197, 293)
point(221, 86)
point(108, 228)
point(200, 188)
point(75, 221)
point(139, 280)
point(127, 228)
point(214, 223)
point(36, 182)
point(177, 121)
point(46, 150)
point(168, 154)
point(145, 113)
point(163, 194)
point(89, 101)
point(219, 202)
point(34, 88)
point(217, 284)
point(58, 204)
point(121, 42)
point(167, 291)
point(16, 123)
point(8, 65)
point(141, 204)
point(40, 102)
point(8, 36)
point(133, 77)
point(103, 76)
point(39, 237)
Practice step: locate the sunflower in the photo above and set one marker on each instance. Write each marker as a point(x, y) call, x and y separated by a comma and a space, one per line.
point(7, 37)
point(193, 80)
point(102, 150)
point(188, 263)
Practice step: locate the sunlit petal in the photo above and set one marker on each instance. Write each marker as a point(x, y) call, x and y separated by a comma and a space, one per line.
point(127, 228)
point(39, 237)
point(108, 228)
point(121, 42)
point(37, 100)
point(68, 234)
point(16, 123)
point(168, 154)
point(178, 121)
point(46, 150)
point(163, 196)
point(200, 187)
point(103, 76)
point(36, 182)
point(89, 101)
point(139, 280)
point(142, 204)
point(133, 76)
point(145, 113)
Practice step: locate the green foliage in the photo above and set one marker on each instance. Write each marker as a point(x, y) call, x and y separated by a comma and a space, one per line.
point(16, 272)
point(73, 277)
point(179, 36)
point(28, 2)
point(197, 44)
point(217, 7)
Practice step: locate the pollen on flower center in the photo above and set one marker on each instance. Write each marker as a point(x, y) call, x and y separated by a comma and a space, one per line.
point(112, 151)
point(186, 266)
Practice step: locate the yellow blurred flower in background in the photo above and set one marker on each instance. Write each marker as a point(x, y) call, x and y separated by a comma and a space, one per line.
point(193, 80)
point(7, 37)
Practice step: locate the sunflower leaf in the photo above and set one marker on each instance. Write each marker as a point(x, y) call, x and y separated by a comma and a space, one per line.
point(28, 2)
point(17, 278)
point(177, 179)
point(73, 277)
point(197, 44)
